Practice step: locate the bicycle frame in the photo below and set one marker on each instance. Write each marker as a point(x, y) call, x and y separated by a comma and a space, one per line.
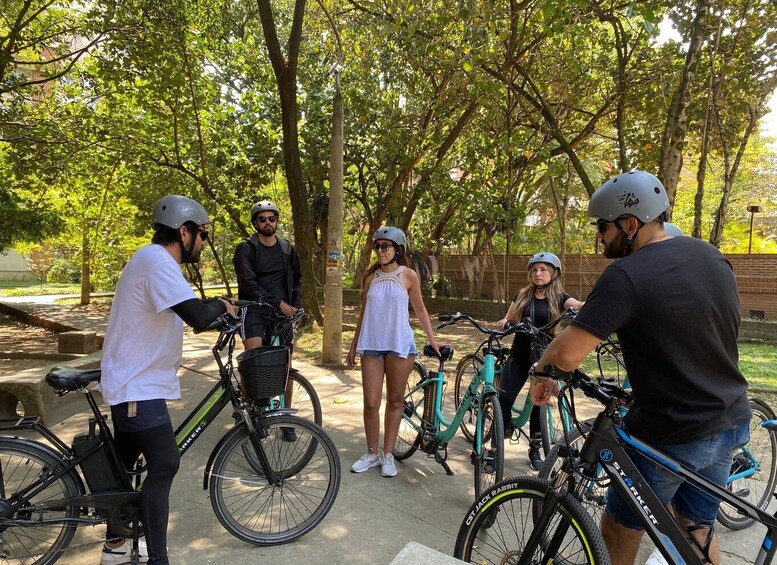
point(481, 384)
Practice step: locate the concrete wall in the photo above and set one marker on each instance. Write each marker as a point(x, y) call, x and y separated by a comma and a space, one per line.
point(13, 267)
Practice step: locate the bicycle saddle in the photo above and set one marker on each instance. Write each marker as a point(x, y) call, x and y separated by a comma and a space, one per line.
point(68, 378)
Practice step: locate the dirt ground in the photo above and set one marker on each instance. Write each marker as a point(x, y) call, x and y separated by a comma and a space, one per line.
point(18, 336)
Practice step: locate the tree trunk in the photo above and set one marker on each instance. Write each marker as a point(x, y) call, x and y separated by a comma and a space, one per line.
point(673, 139)
point(285, 70)
point(86, 281)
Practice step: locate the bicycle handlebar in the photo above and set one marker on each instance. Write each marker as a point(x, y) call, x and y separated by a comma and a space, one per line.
point(603, 391)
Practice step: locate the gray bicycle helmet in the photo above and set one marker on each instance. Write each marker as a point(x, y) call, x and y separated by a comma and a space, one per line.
point(637, 193)
point(264, 206)
point(392, 234)
point(545, 257)
point(174, 211)
point(672, 230)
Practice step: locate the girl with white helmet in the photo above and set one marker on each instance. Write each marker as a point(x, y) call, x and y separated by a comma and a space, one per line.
point(385, 341)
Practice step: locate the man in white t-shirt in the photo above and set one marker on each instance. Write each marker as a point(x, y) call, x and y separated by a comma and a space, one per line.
point(141, 355)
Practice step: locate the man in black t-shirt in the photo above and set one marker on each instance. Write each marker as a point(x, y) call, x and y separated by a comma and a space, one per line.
point(267, 270)
point(673, 303)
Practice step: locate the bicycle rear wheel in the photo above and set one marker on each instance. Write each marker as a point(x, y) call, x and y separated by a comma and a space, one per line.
point(499, 523)
point(551, 425)
point(753, 468)
point(29, 540)
point(304, 398)
point(413, 408)
point(466, 370)
point(257, 512)
point(490, 459)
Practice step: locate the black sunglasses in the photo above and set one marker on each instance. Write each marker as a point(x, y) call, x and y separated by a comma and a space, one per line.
point(382, 246)
point(601, 225)
point(265, 219)
point(204, 235)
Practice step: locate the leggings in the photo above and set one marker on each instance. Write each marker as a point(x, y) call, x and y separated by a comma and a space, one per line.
point(161, 454)
point(514, 376)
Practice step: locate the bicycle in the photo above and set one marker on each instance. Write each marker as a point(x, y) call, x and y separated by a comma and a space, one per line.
point(753, 468)
point(304, 398)
point(264, 489)
point(552, 422)
point(554, 525)
point(425, 427)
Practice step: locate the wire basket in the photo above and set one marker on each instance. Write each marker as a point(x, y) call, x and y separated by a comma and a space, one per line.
point(263, 371)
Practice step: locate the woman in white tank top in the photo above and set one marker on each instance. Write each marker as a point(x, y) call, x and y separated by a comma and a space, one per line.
point(384, 339)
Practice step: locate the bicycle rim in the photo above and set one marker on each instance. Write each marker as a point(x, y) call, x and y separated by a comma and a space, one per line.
point(408, 438)
point(489, 462)
point(498, 526)
point(756, 465)
point(257, 512)
point(467, 370)
point(20, 466)
point(304, 398)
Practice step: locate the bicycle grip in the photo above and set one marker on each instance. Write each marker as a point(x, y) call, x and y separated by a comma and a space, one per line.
point(445, 317)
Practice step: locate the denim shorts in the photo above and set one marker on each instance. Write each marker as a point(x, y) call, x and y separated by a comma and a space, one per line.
point(710, 457)
point(383, 353)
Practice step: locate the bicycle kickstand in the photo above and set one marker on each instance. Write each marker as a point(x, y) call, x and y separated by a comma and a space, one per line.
point(441, 459)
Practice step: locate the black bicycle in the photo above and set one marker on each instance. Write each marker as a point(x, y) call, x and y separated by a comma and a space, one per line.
point(531, 520)
point(272, 478)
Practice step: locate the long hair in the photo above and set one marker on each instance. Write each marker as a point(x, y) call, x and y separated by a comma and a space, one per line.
point(401, 259)
point(553, 292)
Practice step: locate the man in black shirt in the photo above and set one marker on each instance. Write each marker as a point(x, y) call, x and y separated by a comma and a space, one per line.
point(267, 270)
point(673, 303)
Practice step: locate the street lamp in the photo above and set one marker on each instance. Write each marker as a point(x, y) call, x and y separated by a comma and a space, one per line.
point(752, 210)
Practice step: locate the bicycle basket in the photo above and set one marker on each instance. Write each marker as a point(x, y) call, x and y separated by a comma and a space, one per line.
point(263, 371)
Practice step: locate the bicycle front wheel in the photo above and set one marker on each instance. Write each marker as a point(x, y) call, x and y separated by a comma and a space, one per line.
point(498, 525)
point(308, 470)
point(551, 425)
point(413, 407)
point(32, 534)
point(753, 468)
point(490, 458)
point(467, 370)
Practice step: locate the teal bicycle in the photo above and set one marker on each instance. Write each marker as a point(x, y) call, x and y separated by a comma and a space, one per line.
point(553, 423)
point(425, 427)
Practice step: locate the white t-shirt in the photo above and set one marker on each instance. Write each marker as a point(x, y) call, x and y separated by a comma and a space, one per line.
point(144, 338)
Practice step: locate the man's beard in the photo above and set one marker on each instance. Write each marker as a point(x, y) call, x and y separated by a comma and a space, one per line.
point(267, 229)
point(616, 248)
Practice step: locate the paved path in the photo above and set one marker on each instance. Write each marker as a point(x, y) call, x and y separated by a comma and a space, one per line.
point(373, 517)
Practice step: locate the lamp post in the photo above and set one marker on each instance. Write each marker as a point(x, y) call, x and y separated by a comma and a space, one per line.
point(752, 210)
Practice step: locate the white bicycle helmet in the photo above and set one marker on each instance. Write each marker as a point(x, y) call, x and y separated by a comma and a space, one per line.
point(637, 193)
point(546, 257)
point(263, 206)
point(392, 234)
point(174, 211)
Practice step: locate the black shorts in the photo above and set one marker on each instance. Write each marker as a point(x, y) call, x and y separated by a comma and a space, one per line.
point(262, 322)
point(140, 415)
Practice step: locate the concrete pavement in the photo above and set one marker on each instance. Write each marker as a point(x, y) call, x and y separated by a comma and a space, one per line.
point(373, 518)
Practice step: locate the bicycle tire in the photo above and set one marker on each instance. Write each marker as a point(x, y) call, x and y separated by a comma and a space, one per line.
point(757, 488)
point(304, 398)
point(500, 521)
point(262, 514)
point(592, 494)
point(490, 459)
point(408, 438)
point(23, 463)
point(465, 372)
point(551, 426)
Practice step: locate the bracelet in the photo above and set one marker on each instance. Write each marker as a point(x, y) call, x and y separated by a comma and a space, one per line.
point(536, 376)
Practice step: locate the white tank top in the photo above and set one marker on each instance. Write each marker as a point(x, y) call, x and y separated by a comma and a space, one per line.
point(386, 321)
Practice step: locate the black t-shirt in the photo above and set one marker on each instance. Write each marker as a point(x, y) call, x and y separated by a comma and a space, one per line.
point(675, 309)
point(270, 272)
point(538, 311)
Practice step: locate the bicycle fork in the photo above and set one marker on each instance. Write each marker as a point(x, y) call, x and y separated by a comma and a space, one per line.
point(543, 538)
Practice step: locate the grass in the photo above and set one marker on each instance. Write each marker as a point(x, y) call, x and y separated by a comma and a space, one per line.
point(34, 288)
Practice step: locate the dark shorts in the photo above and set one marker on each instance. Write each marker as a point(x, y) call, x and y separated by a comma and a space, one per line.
point(710, 457)
point(140, 415)
point(261, 322)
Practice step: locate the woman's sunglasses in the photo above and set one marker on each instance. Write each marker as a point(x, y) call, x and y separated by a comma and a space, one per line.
point(382, 246)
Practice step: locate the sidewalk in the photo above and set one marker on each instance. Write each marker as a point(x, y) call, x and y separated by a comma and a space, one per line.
point(373, 518)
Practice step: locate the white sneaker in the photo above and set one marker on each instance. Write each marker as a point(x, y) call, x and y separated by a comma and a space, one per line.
point(388, 468)
point(656, 558)
point(367, 461)
point(121, 554)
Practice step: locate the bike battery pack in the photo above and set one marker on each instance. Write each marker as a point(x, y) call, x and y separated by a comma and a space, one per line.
point(97, 468)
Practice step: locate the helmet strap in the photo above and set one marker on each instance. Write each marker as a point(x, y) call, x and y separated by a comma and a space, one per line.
point(186, 254)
